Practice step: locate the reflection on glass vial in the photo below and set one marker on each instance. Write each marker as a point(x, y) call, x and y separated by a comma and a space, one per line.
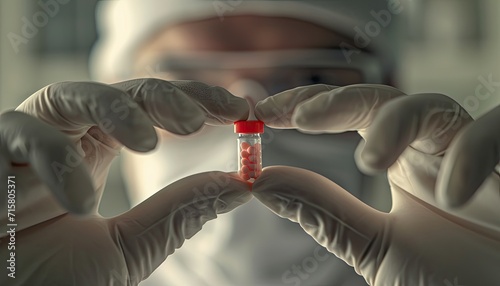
point(249, 149)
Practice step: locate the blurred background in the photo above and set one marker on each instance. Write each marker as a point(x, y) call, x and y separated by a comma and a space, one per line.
point(451, 47)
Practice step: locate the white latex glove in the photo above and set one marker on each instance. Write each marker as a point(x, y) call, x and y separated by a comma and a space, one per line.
point(96, 120)
point(124, 250)
point(421, 241)
point(99, 120)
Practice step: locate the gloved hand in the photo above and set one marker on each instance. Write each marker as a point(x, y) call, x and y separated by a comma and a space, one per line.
point(99, 120)
point(423, 240)
point(92, 250)
point(56, 172)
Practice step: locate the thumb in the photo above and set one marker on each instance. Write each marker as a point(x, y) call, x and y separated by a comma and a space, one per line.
point(347, 227)
point(472, 157)
point(150, 232)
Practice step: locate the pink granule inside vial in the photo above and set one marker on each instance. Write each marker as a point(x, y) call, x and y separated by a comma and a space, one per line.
point(250, 160)
point(249, 148)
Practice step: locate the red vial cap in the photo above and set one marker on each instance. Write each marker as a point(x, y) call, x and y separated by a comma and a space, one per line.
point(247, 127)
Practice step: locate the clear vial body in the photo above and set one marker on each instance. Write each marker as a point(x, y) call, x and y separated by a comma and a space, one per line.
point(250, 156)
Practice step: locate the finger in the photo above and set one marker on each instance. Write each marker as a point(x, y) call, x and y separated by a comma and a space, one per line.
point(26, 140)
point(183, 106)
point(276, 111)
point(74, 107)
point(348, 228)
point(470, 159)
point(220, 105)
point(426, 121)
point(154, 229)
point(343, 109)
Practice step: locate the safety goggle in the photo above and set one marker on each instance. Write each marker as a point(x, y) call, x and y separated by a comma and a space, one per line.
point(276, 69)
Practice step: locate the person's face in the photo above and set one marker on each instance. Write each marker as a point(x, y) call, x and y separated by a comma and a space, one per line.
point(246, 34)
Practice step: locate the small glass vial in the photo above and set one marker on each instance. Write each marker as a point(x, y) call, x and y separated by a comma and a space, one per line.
point(249, 148)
